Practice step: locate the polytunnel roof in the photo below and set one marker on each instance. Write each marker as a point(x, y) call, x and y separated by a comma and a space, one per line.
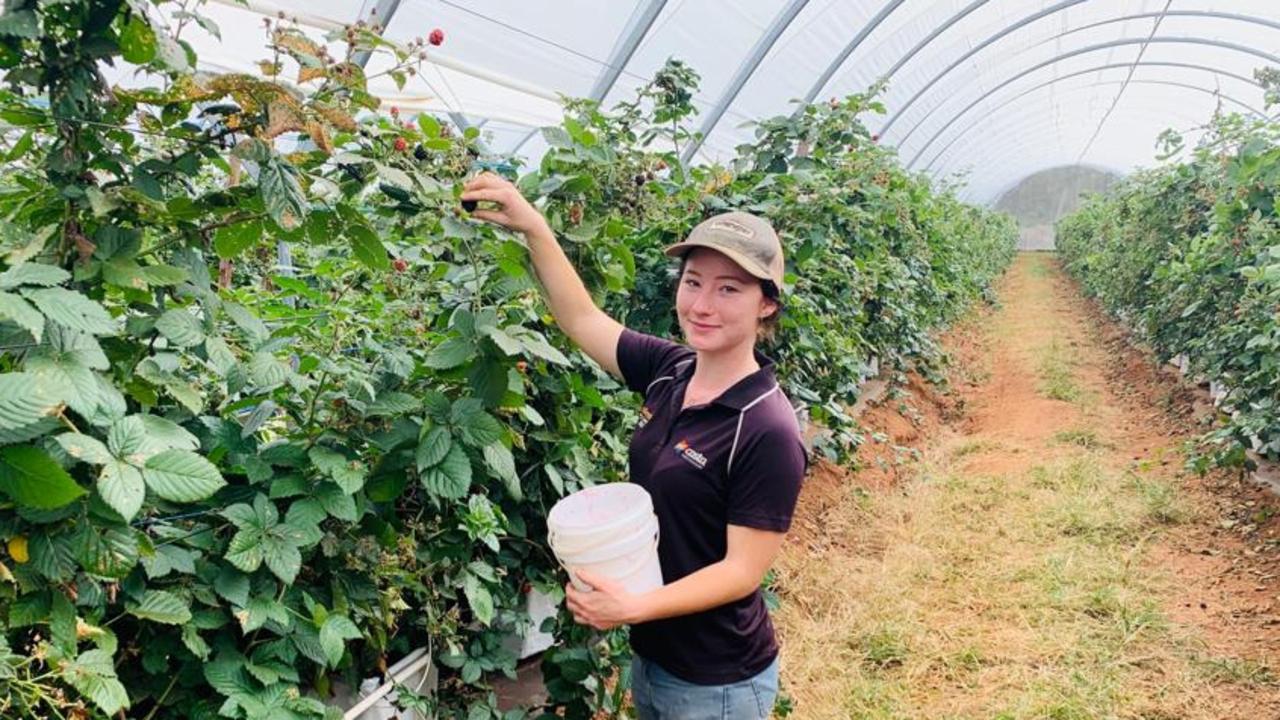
point(998, 89)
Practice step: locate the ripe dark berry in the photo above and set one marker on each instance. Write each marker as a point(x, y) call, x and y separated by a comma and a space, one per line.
point(436, 37)
point(469, 205)
point(420, 153)
point(401, 144)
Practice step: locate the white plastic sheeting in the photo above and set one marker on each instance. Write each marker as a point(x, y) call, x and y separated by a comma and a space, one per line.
point(992, 89)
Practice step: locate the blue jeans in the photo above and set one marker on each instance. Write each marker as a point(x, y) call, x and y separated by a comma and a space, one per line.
point(659, 695)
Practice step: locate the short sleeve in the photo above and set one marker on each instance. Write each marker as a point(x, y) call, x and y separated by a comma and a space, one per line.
point(644, 358)
point(765, 479)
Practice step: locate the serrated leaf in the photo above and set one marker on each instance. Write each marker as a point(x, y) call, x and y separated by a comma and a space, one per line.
point(335, 630)
point(32, 273)
point(162, 607)
point(538, 345)
point(196, 644)
point(282, 558)
point(232, 585)
point(122, 487)
point(124, 272)
point(393, 403)
point(33, 479)
point(245, 549)
point(93, 675)
point(252, 326)
point(67, 377)
point(108, 553)
point(24, 400)
point(451, 478)
point(72, 310)
point(164, 275)
point(258, 611)
point(231, 240)
point(451, 353)
point(477, 427)
point(368, 248)
point(53, 556)
point(433, 447)
point(348, 474)
point(503, 464)
point(181, 476)
point(479, 598)
point(266, 371)
point(85, 448)
point(180, 327)
point(21, 313)
point(281, 192)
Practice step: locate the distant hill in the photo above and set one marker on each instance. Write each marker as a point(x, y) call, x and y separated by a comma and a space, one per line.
point(1039, 200)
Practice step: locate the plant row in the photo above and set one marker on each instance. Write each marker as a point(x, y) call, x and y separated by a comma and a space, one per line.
point(274, 411)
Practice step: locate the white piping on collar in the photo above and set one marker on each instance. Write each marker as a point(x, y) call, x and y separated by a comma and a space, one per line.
point(742, 414)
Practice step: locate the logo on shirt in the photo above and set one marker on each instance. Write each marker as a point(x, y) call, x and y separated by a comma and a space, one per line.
point(694, 457)
point(645, 416)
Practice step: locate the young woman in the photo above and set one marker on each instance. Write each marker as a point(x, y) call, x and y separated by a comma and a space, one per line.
point(717, 447)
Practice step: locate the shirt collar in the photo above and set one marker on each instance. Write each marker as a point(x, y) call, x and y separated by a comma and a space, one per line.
point(746, 390)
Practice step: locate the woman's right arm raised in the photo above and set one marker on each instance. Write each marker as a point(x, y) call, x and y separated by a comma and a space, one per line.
point(586, 325)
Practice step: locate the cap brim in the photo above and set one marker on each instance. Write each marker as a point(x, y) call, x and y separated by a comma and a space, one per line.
point(681, 249)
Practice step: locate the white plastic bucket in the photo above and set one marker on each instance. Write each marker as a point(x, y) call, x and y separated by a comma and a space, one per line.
point(609, 530)
point(631, 560)
point(594, 516)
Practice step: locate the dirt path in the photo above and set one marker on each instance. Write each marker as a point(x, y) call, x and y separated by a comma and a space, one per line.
point(1027, 545)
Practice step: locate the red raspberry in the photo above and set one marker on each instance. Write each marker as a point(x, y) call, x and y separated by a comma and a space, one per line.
point(401, 144)
point(436, 37)
point(400, 264)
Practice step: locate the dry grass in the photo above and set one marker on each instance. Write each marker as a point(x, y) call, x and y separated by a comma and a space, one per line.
point(996, 597)
point(1014, 591)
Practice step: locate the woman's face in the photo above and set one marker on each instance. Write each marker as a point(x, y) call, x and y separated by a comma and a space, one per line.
point(719, 304)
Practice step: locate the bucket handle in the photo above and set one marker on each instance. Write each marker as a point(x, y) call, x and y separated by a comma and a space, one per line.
point(657, 535)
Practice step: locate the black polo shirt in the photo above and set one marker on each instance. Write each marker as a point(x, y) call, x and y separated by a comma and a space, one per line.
point(738, 460)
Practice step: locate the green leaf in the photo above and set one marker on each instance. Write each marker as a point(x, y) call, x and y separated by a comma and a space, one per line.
point(282, 557)
point(451, 353)
point(181, 476)
point(253, 327)
point(196, 644)
point(450, 479)
point(20, 312)
point(283, 196)
point(24, 400)
point(85, 448)
point(107, 553)
point(433, 447)
point(392, 404)
point(479, 598)
point(164, 275)
point(348, 474)
point(67, 377)
point(259, 610)
point(162, 607)
point(333, 632)
point(122, 487)
point(19, 23)
point(266, 371)
point(503, 464)
point(73, 310)
point(33, 274)
point(33, 479)
point(539, 346)
point(368, 248)
point(93, 674)
point(124, 272)
point(477, 427)
point(138, 41)
point(231, 240)
point(180, 327)
point(245, 549)
point(232, 584)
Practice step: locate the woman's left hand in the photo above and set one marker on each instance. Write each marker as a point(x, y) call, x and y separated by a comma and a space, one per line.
point(605, 607)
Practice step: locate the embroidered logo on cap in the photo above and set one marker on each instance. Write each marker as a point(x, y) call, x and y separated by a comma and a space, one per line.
point(694, 457)
point(645, 416)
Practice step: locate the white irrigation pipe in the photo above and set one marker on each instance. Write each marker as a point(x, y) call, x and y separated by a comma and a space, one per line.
point(415, 660)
